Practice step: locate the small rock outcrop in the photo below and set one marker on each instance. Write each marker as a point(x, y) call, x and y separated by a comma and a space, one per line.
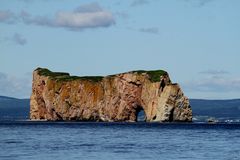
point(59, 96)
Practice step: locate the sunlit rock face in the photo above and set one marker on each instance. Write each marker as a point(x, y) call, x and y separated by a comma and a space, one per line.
point(59, 96)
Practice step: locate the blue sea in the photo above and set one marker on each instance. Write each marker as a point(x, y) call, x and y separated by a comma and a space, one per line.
point(23, 140)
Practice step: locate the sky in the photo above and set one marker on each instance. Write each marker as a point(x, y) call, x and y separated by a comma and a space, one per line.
point(196, 41)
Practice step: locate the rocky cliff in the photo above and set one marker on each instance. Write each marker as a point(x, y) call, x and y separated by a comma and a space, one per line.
point(120, 97)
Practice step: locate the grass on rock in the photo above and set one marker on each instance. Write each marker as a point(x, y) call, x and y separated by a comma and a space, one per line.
point(154, 75)
point(62, 76)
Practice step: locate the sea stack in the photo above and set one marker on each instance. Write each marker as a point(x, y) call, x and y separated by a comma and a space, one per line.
point(57, 96)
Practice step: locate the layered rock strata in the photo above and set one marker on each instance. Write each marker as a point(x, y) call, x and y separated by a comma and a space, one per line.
point(59, 96)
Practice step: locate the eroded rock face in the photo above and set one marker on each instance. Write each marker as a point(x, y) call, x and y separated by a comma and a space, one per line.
point(58, 96)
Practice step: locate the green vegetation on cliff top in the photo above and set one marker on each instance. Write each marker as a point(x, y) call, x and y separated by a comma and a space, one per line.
point(46, 72)
point(61, 76)
point(154, 75)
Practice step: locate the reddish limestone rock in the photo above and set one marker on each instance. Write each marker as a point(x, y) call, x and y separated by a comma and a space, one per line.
point(59, 96)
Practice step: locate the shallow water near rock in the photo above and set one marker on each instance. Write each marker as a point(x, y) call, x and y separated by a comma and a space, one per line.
point(106, 141)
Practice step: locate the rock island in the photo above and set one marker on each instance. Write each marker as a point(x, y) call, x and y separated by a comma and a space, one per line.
point(58, 96)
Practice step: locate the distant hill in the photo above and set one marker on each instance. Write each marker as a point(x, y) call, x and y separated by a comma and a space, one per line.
point(216, 108)
point(13, 108)
point(6, 98)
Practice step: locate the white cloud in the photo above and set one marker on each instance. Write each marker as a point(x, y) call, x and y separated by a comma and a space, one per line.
point(79, 20)
point(152, 30)
point(214, 72)
point(88, 8)
point(15, 87)
point(139, 3)
point(7, 17)
point(214, 84)
point(16, 38)
point(85, 16)
point(19, 39)
point(123, 15)
point(199, 3)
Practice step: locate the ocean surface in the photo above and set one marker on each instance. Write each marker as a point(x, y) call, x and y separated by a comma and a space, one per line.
point(23, 140)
